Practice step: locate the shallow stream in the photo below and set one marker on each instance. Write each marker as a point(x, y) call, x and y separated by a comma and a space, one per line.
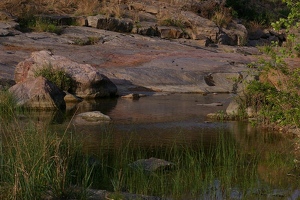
point(162, 121)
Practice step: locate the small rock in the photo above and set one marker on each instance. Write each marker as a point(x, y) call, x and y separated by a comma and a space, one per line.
point(233, 108)
point(91, 118)
point(132, 96)
point(71, 98)
point(151, 164)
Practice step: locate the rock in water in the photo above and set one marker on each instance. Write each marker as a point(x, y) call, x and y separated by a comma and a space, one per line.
point(151, 164)
point(38, 93)
point(91, 118)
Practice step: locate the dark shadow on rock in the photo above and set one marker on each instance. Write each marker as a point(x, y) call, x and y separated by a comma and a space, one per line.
point(209, 80)
point(126, 87)
point(104, 105)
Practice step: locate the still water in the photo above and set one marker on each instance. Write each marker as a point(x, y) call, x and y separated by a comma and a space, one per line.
point(158, 121)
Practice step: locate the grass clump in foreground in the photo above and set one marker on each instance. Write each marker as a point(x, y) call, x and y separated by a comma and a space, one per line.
point(36, 163)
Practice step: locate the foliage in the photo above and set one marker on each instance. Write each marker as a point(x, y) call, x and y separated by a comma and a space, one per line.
point(291, 23)
point(38, 164)
point(222, 18)
point(30, 23)
point(263, 12)
point(173, 22)
point(8, 105)
point(57, 76)
point(276, 94)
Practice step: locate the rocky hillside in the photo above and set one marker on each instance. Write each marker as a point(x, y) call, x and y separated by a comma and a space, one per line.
point(172, 46)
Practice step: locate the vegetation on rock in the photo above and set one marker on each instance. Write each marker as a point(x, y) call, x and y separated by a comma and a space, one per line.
point(59, 77)
point(275, 95)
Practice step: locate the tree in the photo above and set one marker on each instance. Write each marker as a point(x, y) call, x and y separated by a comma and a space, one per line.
point(291, 24)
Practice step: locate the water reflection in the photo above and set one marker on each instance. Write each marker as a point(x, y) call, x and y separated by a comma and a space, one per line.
point(157, 122)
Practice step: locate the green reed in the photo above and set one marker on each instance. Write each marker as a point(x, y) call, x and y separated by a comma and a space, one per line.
point(195, 170)
point(39, 162)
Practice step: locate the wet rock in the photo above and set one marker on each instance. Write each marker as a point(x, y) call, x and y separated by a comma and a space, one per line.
point(211, 104)
point(87, 82)
point(91, 118)
point(38, 93)
point(133, 96)
point(71, 98)
point(233, 108)
point(151, 164)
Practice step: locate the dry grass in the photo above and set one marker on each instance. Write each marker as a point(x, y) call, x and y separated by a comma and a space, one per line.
point(21, 8)
point(222, 17)
point(254, 26)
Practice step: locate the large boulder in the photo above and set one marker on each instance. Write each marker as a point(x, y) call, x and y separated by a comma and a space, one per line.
point(234, 34)
point(87, 82)
point(38, 93)
point(200, 28)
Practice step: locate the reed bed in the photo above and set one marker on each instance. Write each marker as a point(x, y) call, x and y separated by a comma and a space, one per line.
point(38, 162)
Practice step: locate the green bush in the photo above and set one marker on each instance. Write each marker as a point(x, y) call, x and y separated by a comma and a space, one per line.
point(263, 12)
point(31, 23)
point(276, 95)
point(59, 77)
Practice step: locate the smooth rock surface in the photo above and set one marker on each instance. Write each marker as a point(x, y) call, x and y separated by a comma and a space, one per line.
point(38, 93)
point(133, 61)
point(87, 82)
point(91, 118)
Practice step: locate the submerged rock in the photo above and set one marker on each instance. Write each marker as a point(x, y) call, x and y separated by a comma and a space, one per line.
point(211, 104)
point(151, 164)
point(91, 118)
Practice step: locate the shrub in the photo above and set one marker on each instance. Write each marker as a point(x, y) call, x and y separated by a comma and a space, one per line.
point(222, 18)
point(276, 94)
point(59, 77)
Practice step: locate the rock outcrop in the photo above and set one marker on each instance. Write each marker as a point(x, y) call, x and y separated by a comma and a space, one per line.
point(110, 23)
point(38, 93)
point(87, 82)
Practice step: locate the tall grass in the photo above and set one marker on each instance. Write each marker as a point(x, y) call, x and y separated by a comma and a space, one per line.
point(38, 163)
point(200, 172)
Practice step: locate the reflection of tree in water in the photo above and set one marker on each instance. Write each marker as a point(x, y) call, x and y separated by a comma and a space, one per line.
point(273, 150)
